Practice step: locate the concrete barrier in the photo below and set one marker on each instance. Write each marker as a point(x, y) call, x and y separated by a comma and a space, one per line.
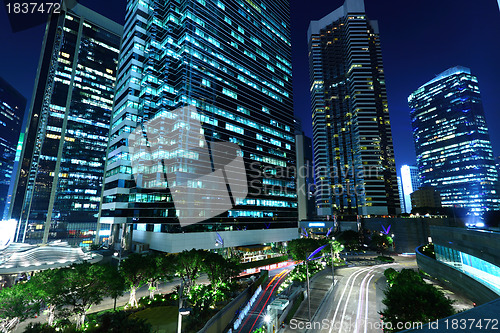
point(455, 280)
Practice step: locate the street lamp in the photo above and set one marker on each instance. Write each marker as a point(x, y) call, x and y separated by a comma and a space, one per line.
point(182, 311)
point(311, 258)
point(267, 320)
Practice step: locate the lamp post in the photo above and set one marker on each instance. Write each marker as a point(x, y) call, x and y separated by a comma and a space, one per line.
point(308, 292)
point(119, 255)
point(333, 269)
point(179, 318)
point(310, 258)
point(267, 320)
point(331, 252)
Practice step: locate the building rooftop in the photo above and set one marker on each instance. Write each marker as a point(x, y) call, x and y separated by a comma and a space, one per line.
point(449, 72)
point(349, 6)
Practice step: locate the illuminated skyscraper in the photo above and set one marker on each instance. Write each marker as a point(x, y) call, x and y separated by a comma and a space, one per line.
point(353, 150)
point(401, 198)
point(231, 60)
point(12, 107)
point(410, 182)
point(58, 186)
point(452, 143)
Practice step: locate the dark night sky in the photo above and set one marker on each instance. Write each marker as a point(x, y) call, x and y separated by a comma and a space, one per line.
point(420, 39)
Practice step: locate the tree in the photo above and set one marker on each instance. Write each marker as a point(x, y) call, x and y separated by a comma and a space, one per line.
point(116, 284)
point(217, 268)
point(159, 267)
point(49, 284)
point(409, 300)
point(381, 242)
point(350, 239)
point(18, 303)
point(301, 248)
point(188, 266)
point(134, 271)
point(390, 275)
point(337, 248)
point(84, 285)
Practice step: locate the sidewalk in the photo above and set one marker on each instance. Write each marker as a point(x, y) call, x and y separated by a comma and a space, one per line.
point(320, 284)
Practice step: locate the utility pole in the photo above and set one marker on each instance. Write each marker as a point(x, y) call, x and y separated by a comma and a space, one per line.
point(308, 291)
point(179, 318)
point(333, 269)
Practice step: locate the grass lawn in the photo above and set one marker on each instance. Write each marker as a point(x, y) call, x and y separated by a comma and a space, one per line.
point(163, 318)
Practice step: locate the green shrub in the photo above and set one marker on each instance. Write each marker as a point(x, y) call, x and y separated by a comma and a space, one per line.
point(384, 259)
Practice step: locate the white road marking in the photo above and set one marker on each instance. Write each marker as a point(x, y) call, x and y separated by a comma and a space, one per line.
point(345, 289)
point(366, 307)
point(360, 301)
point(355, 275)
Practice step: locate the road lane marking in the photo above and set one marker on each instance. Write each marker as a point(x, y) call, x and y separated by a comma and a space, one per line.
point(366, 300)
point(345, 289)
point(362, 287)
point(355, 275)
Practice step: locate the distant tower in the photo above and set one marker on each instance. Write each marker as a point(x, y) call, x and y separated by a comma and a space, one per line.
point(410, 182)
point(452, 143)
point(305, 174)
point(401, 197)
point(12, 107)
point(58, 186)
point(353, 150)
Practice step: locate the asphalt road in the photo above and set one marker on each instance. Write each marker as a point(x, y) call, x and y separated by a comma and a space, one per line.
point(354, 304)
point(255, 317)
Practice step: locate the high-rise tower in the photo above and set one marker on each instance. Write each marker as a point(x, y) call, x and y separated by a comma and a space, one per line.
point(12, 107)
point(58, 186)
point(452, 143)
point(410, 182)
point(353, 149)
point(231, 60)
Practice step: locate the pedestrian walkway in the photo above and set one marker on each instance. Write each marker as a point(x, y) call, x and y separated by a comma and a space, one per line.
point(320, 284)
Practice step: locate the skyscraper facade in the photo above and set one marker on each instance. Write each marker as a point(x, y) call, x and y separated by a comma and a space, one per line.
point(354, 159)
point(305, 174)
point(231, 60)
point(452, 143)
point(410, 182)
point(401, 197)
point(58, 186)
point(12, 107)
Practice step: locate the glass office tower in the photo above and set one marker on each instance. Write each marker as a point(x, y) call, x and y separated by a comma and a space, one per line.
point(452, 143)
point(58, 187)
point(12, 107)
point(410, 182)
point(231, 60)
point(401, 197)
point(354, 158)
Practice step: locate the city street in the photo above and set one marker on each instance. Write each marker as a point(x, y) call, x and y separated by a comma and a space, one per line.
point(255, 317)
point(355, 302)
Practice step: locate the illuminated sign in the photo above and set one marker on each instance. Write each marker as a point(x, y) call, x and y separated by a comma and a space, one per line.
point(316, 224)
